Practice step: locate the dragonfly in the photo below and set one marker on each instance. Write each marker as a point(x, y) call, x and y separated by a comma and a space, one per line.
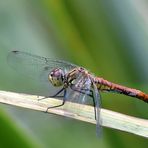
point(75, 83)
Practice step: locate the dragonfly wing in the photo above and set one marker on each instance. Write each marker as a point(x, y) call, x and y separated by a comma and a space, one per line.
point(37, 68)
point(79, 91)
point(85, 92)
point(97, 105)
point(34, 65)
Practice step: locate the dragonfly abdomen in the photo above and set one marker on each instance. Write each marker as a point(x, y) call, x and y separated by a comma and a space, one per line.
point(104, 85)
point(129, 92)
point(143, 96)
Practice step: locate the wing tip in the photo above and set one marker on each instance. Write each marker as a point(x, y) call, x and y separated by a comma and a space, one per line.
point(11, 55)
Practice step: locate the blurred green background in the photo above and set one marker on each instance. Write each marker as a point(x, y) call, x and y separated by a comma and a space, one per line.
point(109, 38)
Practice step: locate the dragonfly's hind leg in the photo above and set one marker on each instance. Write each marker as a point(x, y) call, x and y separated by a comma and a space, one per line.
point(89, 93)
point(94, 103)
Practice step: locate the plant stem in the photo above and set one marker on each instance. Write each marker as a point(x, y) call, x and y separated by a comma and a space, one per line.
point(81, 112)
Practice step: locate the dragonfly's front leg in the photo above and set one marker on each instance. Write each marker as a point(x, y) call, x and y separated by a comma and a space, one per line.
point(55, 95)
point(63, 102)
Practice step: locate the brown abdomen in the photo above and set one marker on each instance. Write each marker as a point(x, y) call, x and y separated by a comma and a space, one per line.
point(105, 85)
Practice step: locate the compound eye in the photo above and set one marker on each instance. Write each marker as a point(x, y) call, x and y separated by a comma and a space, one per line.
point(51, 74)
point(56, 77)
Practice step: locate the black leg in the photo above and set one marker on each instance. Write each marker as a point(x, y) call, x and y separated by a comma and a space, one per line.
point(53, 95)
point(83, 91)
point(64, 99)
point(55, 106)
point(94, 103)
point(87, 92)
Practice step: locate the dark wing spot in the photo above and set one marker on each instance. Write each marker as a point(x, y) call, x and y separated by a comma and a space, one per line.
point(15, 51)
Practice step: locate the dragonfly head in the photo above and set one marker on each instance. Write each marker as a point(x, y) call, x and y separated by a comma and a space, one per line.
point(56, 77)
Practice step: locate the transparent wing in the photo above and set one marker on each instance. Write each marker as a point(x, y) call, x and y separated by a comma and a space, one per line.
point(84, 91)
point(38, 69)
point(34, 65)
point(80, 90)
point(78, 93)
point(97, 105)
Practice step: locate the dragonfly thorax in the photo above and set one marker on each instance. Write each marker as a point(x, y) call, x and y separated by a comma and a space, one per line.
point(56, 77)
